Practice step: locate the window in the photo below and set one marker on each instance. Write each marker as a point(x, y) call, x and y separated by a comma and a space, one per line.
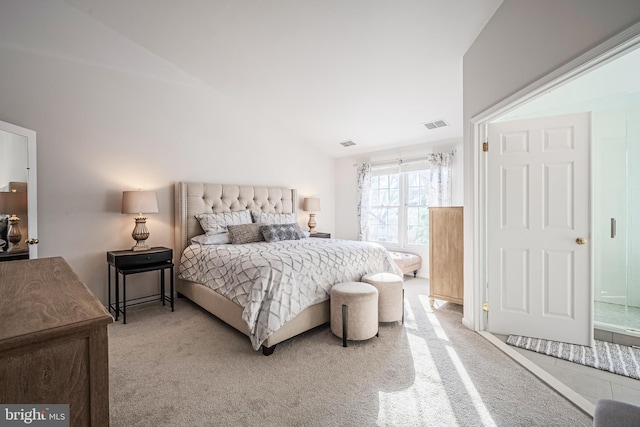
point(384, 214)
point(400, 197)
point(418, 206)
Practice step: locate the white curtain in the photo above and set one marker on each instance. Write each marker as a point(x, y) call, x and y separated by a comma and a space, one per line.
point(440, 182)
point(364, 192)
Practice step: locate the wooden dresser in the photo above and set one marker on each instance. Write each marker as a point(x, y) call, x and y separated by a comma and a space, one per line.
point(446, 251)
point(53, 340)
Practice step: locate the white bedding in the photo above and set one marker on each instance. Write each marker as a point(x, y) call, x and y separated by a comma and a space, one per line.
point(275, 281)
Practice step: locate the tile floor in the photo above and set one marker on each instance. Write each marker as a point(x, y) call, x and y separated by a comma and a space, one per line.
point(591, 383)
point(617, 314)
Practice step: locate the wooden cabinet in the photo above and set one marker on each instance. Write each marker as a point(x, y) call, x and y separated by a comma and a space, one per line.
point(53, 340)
point(446, 246)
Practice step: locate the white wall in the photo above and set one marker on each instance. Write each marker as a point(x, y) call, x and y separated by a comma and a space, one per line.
point(523, 42)
point(346, 186)
point(110, 116)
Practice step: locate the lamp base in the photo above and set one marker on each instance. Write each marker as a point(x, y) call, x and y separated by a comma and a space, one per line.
point(312, 223)
point(140, 234)
point(141, 246)
point(14, 236)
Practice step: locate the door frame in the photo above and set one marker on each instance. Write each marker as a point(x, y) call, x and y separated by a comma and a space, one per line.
point(626, 41)
point(32, 182)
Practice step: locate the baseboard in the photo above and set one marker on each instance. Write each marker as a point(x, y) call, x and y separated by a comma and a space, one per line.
point(468, 323)
point(583, 404)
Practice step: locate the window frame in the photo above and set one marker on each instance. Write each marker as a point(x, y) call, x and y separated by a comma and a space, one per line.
point(403, 210)
point(379, 205)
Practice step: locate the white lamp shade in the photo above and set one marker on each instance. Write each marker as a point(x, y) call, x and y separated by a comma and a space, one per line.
point(311, 204)
point(13, 203)
point(139, 202)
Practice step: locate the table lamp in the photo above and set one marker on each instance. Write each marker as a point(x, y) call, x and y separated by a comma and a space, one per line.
point(140, 202)
point(13, 203)
point(311, 205)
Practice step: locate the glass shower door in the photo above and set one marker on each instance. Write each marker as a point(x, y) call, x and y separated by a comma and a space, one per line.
point(616, 186)
point(610, 214)
point(633, 217)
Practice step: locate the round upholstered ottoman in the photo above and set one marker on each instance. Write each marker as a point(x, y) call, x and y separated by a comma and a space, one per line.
point(390, 296)
point(354, 311)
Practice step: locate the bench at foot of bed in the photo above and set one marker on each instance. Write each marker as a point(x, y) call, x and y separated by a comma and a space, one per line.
point(408, 262)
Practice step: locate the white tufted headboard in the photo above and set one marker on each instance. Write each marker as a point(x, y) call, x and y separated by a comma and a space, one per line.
point(194, 198)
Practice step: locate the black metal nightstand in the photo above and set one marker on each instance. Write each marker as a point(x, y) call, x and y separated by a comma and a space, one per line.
point(13, 256)
point(321, 235)
point(130, 262)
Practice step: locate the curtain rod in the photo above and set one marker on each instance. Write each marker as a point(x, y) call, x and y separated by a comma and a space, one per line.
point(400, 160)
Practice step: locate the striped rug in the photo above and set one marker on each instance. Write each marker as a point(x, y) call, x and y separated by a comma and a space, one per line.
point(619, 359)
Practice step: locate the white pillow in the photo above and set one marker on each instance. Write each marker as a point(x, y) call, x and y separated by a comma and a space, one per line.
point(215, 223)
point(214, 239)
point(273, 218)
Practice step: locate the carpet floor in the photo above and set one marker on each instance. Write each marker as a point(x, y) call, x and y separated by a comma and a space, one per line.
point(616, 358)
point(188, 368)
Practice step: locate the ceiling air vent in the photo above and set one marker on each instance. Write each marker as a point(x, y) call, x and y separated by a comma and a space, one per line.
point(347, 143)
point(436, 124)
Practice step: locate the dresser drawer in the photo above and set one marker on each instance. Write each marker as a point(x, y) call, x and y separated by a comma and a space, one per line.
point(125, 259)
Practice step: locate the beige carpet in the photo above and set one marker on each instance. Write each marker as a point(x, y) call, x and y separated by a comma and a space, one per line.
point(187, 368)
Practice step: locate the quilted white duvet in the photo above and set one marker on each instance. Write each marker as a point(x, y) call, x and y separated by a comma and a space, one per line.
point(275, 281)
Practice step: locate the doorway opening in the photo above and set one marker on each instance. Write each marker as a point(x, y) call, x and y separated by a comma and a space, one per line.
point(529, 103)
point(602, 83)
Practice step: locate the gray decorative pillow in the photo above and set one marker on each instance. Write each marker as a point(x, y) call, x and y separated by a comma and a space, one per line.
point(245, 233)
point(273, 218)
point(278, 232)
point(214, 223)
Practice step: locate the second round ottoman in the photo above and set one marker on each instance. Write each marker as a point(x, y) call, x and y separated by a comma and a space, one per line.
point(391, 296)
point(354, 311)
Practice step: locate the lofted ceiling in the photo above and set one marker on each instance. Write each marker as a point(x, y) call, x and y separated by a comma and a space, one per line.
point(369, 71)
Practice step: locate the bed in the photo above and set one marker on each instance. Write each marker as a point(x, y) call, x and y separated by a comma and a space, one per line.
point(270, 291)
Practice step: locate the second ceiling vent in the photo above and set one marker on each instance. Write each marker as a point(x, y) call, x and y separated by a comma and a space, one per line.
point(436, 124)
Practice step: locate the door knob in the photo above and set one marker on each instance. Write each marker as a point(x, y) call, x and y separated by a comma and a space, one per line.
point(32, 241)
point(581, 241)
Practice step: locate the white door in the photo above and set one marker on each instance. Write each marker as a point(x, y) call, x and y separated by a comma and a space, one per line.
point(539, 278)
